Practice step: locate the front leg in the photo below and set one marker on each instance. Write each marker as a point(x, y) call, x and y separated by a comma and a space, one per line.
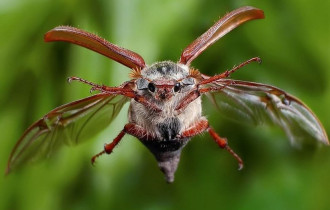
point(124, 89)
point(201, 89)
point(229, 72)
point(203, 125)
point(193, 95)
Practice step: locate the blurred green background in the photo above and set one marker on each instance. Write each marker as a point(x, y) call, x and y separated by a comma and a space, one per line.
point(293, 41)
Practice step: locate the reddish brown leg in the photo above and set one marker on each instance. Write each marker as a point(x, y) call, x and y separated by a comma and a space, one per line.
point(128, 92)
point(138, 132)
point(203, 125)
point(109, 147)
point(129, 128)
point(196, 129)
point(228, 72)
point(104, 88)
point(94, 86)
point(222, 142)
point(148, 104)
point(194, 94)
point(187, 100)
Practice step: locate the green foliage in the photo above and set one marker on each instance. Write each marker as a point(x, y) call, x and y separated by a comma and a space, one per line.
point(293, 41)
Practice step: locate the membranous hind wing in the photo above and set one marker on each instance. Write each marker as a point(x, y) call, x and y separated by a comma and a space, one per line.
point(261, 104)
point(68, 124)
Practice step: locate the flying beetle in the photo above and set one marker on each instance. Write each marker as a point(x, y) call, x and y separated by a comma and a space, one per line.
point(165, 109)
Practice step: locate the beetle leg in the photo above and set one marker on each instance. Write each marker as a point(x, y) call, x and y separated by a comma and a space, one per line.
point(138, 98)
point(190, 97)
point(222, 142)
point(94, 86)
point(194, 94)
point(125, 91)
point(129, 128)
point(228, 72)
point(145, 102)
point(137, 131)
point(203, 125)
point(102, 88)
point(109, 147)
point(196, 129)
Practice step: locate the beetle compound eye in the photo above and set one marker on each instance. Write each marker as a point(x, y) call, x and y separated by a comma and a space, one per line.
point(151, 87)
point(177, 87)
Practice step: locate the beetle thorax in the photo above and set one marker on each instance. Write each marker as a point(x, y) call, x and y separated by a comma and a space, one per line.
point(165, 70)
point(165, 84)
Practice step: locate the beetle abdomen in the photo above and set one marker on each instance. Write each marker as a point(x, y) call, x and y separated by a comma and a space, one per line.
point(167, 154)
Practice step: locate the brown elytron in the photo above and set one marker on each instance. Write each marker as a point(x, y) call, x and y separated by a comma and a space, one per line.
point(165, 102)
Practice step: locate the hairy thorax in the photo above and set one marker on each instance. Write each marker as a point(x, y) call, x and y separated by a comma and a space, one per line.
point(168, 123)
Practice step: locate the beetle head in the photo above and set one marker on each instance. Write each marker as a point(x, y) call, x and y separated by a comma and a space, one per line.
point(165, 80)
